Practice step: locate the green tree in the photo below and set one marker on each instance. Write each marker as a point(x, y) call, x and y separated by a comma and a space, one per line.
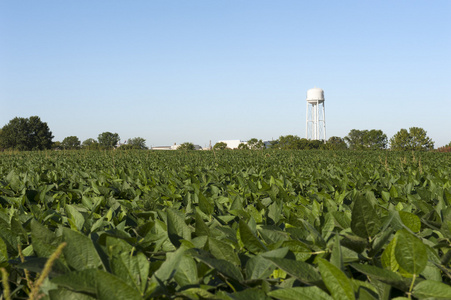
point(90, 144)
point(108, 140)
point(374, 139)
point(57, 145)
point(355, 139)
point(243, 146)
point(26, 134)
point(220, 146)
point(414, 139)
point(137, 143)
point(289, 142)
point(186, 146)
point(366, 139)
point(336, 143)
point(274, 144)
point(255, 144)
point(71, 142)
point(311, 144)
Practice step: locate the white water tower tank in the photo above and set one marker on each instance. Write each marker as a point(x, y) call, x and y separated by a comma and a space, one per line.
point(315, 94)
point(316, 115)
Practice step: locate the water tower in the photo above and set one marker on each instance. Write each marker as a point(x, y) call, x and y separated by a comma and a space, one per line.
point(316, 115)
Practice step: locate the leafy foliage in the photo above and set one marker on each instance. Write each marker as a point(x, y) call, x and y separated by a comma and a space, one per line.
point(137, 143)
point(71, 142)
point(90, 143)
point(108, 140)
point(255, 144)
point(243, 146)
point(228, 225)
point(220, 146)
point(26, 134)
point(186, 146)
point(366, 139)
point(336, 143)
point(293, 142)
point(414, 139)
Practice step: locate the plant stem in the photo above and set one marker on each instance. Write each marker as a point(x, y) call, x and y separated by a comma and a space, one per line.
point(409, 294)
point(27, 273)
point(6, 289)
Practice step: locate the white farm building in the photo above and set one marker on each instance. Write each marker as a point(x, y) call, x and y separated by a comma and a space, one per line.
point(232, 144)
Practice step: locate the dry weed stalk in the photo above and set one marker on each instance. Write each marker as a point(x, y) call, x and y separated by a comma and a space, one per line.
point(45, 273)
point(6, 289)
point(385, 164)
point(27, 273)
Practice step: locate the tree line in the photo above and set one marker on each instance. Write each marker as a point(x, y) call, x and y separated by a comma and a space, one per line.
point(413, 139)
point(34, 134)
point(26, 134)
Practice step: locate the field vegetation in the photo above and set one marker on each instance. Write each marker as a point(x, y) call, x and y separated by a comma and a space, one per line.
point(225, 224)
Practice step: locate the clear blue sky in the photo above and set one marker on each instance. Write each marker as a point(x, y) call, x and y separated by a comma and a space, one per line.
point(177, 71)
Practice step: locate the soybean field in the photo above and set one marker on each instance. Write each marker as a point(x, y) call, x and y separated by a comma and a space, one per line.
point(225, 225)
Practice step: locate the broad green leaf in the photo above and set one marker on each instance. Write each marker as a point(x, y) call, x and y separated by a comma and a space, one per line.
point(80, 252)
point(354, 243)
point(249, 240)
point(383, 289)
point(271, 236)
point(277, 253)
point(201, 229)
point(364, 222)
point(410, 220)
point(198, 293)
point(110, 287)
point(307, 293)
point(303, 271)
point(3, 251)
point(250, 294)
point(223, 250)
point(385, 196)
point(336, 257)
point(388, 258)
point(258, 268)
point(274, 211)
point(337, 283)
point(342, 219)
point(393, 192)
point(37, 264)
point(410, 252)
point(314, 234)
point(177, 228)
point(382, 275)
point(186, 271)
point(366, 294)
point(79, 281)
point(45, 242)
point(16, 226)
point(168, 267)
point(65, 294)
point(205, 205)
point(98, 224)
point(365, 290)
point(222, 266)
point(75, 216)
point(432, 289)
point(300, 250)
point(133, 270)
